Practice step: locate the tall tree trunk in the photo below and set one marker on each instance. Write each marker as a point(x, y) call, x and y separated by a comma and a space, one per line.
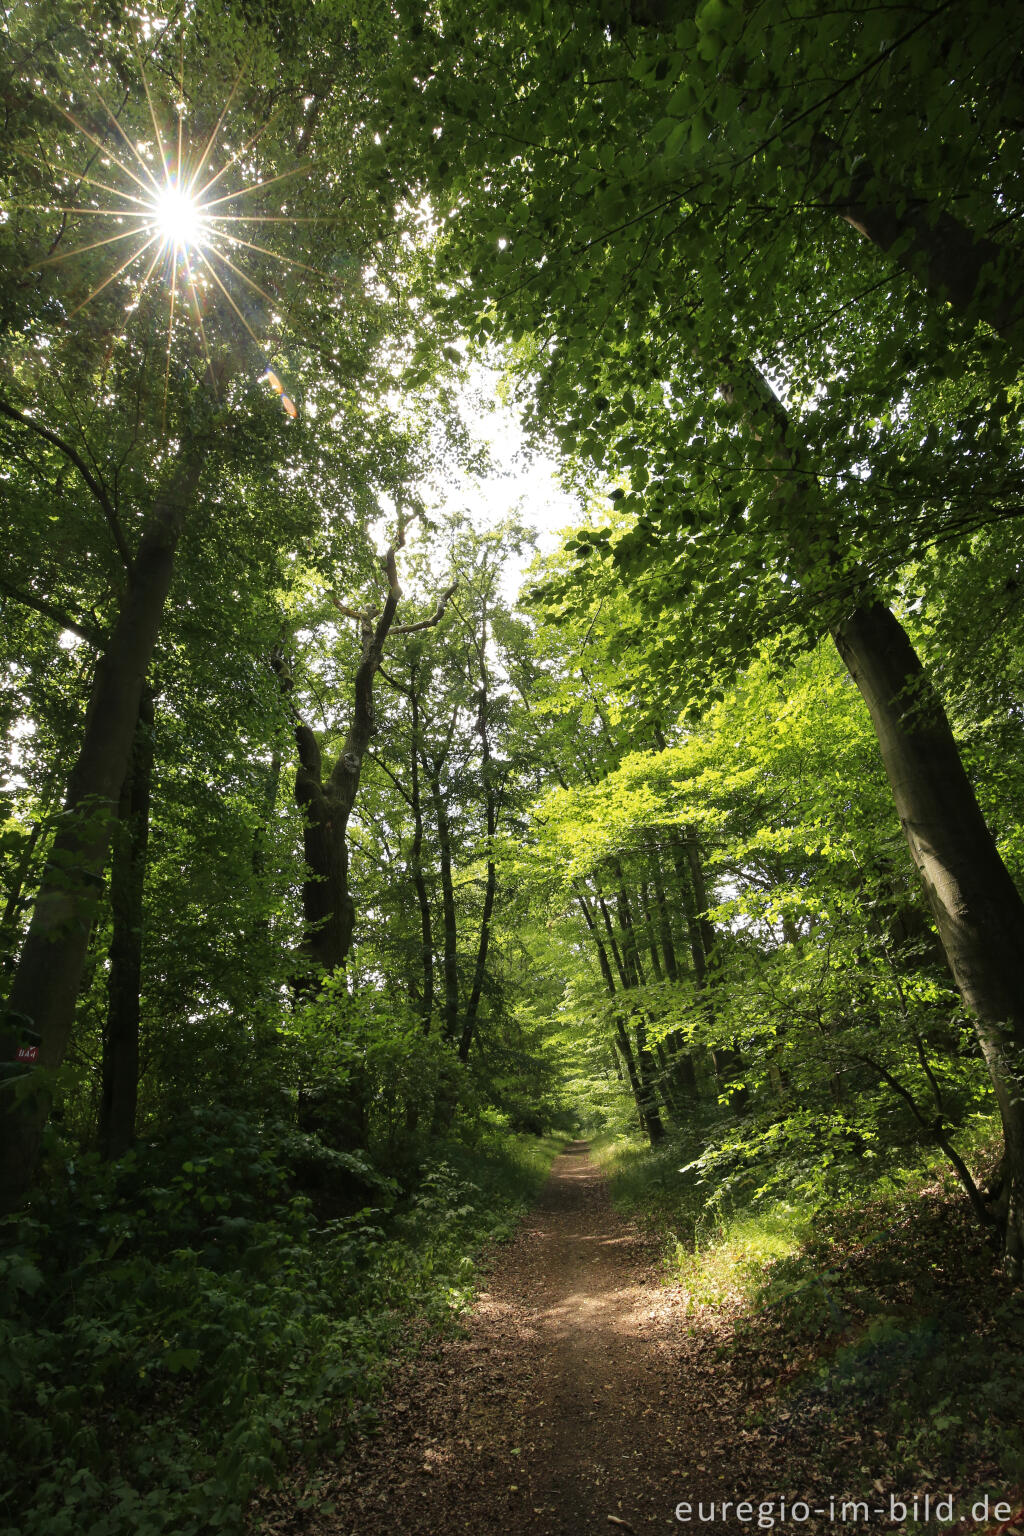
point(977, 908)
point(450, 962)
point(491, 813)
point(666, 1082)
point(640, 1080)
point(602, 954)
point(650, 1122)
point(327, 906)
point(684, 1076)
point(647, 1075)
point(649, 934)
point(668, 948)
point(46, 982)
point(691, 848)
point(691, 912)
point(120, 1072)
point(613, 943)
point(976, 905)
point(975, 275)
point(630, 949)
point(327, 804)
point(416, 862)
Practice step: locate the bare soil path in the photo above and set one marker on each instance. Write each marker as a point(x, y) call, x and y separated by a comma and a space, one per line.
point(580, 1402)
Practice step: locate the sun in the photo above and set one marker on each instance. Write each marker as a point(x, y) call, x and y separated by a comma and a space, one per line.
point(178, 217)
point(177, 206)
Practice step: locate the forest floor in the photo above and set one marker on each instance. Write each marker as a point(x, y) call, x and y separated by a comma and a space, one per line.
point(585, 1397)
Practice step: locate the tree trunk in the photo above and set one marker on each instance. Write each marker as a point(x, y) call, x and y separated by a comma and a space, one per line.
point(691, 911)
point(120, 1085)
point(977, 908)
point(686, 1074)
point(327, 899)
point(327, 906)
point(975, 275)
point(664, 925)
point(630, 949)
point(666, 1082)
point(649, 934)
point(647, 1074)
point(416, 863)
point(450, 963)
point(602, 954)
point(612, 943)
point(651, 1124)
point(490, 805)
point(46, 982)
point(700, 894)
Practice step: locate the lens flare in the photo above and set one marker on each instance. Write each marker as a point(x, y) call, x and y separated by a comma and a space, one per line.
point(178, 218)
point(178, 206)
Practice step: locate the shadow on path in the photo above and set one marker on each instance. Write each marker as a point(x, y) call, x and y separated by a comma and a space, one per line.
point(565, 1412)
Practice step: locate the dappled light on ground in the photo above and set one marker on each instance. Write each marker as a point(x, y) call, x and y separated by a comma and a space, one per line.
point(588, 1396)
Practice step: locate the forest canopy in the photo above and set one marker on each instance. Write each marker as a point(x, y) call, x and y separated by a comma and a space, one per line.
point(335, 872)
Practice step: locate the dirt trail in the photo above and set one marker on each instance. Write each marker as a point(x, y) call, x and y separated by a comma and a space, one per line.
point(578, 1395)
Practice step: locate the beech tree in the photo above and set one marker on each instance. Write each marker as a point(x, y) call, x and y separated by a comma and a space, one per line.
point(192, 389)
point(622, 252)
point(327, 804)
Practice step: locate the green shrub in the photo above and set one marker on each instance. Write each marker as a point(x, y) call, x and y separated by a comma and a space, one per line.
point(175, 1329)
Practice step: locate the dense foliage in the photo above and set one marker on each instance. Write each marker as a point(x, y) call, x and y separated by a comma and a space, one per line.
point(333, 877)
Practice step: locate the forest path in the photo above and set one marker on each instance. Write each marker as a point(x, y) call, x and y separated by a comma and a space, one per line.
point(578, 1403)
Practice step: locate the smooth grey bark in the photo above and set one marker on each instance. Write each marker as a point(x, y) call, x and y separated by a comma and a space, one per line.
point(980, 277)
point(977, 908)
point(668, 948)
point(613, 945)
point(978, 911)
point(602, 953)
point(643, 1096)
point(647, 1075)
point(977, 276)
point(649, 933)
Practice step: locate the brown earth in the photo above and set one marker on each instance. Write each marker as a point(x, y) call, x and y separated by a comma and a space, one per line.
point(586, 1396)
point(580, 1401)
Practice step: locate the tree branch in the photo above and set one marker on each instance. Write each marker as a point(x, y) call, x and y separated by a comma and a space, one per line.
point(362, 615)
point(384, 767)
point(938, 1132)
point(435, 618)
point(95, 485)
point(399, 687)
point(51, 611)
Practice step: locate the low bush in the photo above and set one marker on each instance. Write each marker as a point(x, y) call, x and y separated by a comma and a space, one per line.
point(176, 1328)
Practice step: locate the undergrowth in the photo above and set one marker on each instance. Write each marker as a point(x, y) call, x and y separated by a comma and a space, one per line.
point(176, 1329)
point(879, 1339)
